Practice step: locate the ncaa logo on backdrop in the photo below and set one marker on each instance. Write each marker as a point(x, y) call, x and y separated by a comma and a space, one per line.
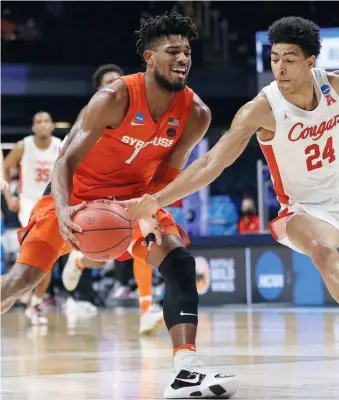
point(203, 277)
point(270, 275)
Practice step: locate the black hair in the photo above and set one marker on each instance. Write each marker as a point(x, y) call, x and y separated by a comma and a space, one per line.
point(41, 112)
point(170, 23)
point(298, 31)
point(102, 70)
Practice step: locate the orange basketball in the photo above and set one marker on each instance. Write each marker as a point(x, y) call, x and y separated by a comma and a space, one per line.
point(106, 228)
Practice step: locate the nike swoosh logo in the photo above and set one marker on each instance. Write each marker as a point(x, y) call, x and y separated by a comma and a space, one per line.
point(183, 313)
point(194, 380)
point(135, 124)
point(223, 376)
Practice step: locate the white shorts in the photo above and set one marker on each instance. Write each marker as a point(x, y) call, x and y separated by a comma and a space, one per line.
point(327, 213)
point(26, 206)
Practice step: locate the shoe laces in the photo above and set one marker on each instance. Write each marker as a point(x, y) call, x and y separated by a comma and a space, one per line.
point(154, 308)
point(193, 365)
point(38, 310)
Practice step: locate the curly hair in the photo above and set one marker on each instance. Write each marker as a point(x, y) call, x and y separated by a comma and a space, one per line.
point(166, 24)
point(102, 70)
point(298, 31)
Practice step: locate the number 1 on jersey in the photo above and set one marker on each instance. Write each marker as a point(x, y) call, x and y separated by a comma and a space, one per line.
point(134, 154)
point(315, 158)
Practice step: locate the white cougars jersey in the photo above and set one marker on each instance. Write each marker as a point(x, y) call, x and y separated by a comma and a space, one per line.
point(36, 167)
point(303, 156)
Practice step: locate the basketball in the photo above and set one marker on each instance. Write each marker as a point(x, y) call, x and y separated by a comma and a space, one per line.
point(106, 228)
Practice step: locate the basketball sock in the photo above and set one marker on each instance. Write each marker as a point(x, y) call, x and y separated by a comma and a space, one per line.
point(183, 355)
point(79, 264)
point(143, 275)
point(145, 303)
point(35, 300)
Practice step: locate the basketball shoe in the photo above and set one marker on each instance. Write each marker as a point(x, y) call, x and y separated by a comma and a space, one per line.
point(72, 271)
point(194, 382)
point(151, 320)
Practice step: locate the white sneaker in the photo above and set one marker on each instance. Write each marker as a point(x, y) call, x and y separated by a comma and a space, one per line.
point(71, 274)
point(151, 320)
point(68, 305)
point(195, 383)
point(34, 314)
point(87, 308)
point(79, 308)
point(119, 292)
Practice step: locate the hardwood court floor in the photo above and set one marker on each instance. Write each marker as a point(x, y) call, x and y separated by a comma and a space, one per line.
point(276, 353)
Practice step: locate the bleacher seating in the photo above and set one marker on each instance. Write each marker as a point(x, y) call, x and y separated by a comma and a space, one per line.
point(222, 216)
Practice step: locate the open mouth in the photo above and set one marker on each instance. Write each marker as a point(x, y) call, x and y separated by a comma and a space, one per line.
point(181, 71)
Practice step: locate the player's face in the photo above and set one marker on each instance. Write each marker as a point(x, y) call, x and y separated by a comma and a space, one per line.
point(43, 126)
point(171, 62)
point(109, 78)
point(290, 67)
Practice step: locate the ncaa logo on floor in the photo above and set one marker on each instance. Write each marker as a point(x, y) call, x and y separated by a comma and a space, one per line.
point(269, 275)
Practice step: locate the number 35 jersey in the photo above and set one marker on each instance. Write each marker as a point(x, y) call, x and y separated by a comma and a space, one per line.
point(124, 160)
point(303, 157)
point(36, 167)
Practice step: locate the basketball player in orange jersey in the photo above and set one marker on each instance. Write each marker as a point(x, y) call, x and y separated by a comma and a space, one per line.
point(296, 120)
point(35, 155)
point(150, 317)
point(139, 130)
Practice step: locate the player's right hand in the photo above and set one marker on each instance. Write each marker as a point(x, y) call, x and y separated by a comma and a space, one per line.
point(66, 225)
point(4, 184)
point(13, 204)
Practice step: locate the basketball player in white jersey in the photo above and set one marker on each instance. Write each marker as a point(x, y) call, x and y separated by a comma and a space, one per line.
point(296, 120)
point(3, 182)
point(150, 316)
point(35, 155)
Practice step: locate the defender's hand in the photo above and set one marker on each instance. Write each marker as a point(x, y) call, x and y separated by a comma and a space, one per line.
point(144, 207)
point(151, 231)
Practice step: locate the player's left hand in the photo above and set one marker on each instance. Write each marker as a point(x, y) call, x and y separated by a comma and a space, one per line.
point(151, 231)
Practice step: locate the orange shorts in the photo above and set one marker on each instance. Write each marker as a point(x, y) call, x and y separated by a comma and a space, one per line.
point(42, 244)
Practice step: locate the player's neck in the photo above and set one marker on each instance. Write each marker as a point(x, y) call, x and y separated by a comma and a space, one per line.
point(305, 98)
point(42, 143)
point(158, 98)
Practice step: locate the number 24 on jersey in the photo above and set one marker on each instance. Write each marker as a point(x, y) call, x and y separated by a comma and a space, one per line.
point(316, 155)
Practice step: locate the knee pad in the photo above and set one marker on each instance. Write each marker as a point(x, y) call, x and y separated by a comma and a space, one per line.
point(181, 295)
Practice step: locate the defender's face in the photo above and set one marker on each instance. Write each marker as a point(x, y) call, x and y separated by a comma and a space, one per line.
point(43, 126)
point(290, 67)
point(171, 62)
point(109, 78)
